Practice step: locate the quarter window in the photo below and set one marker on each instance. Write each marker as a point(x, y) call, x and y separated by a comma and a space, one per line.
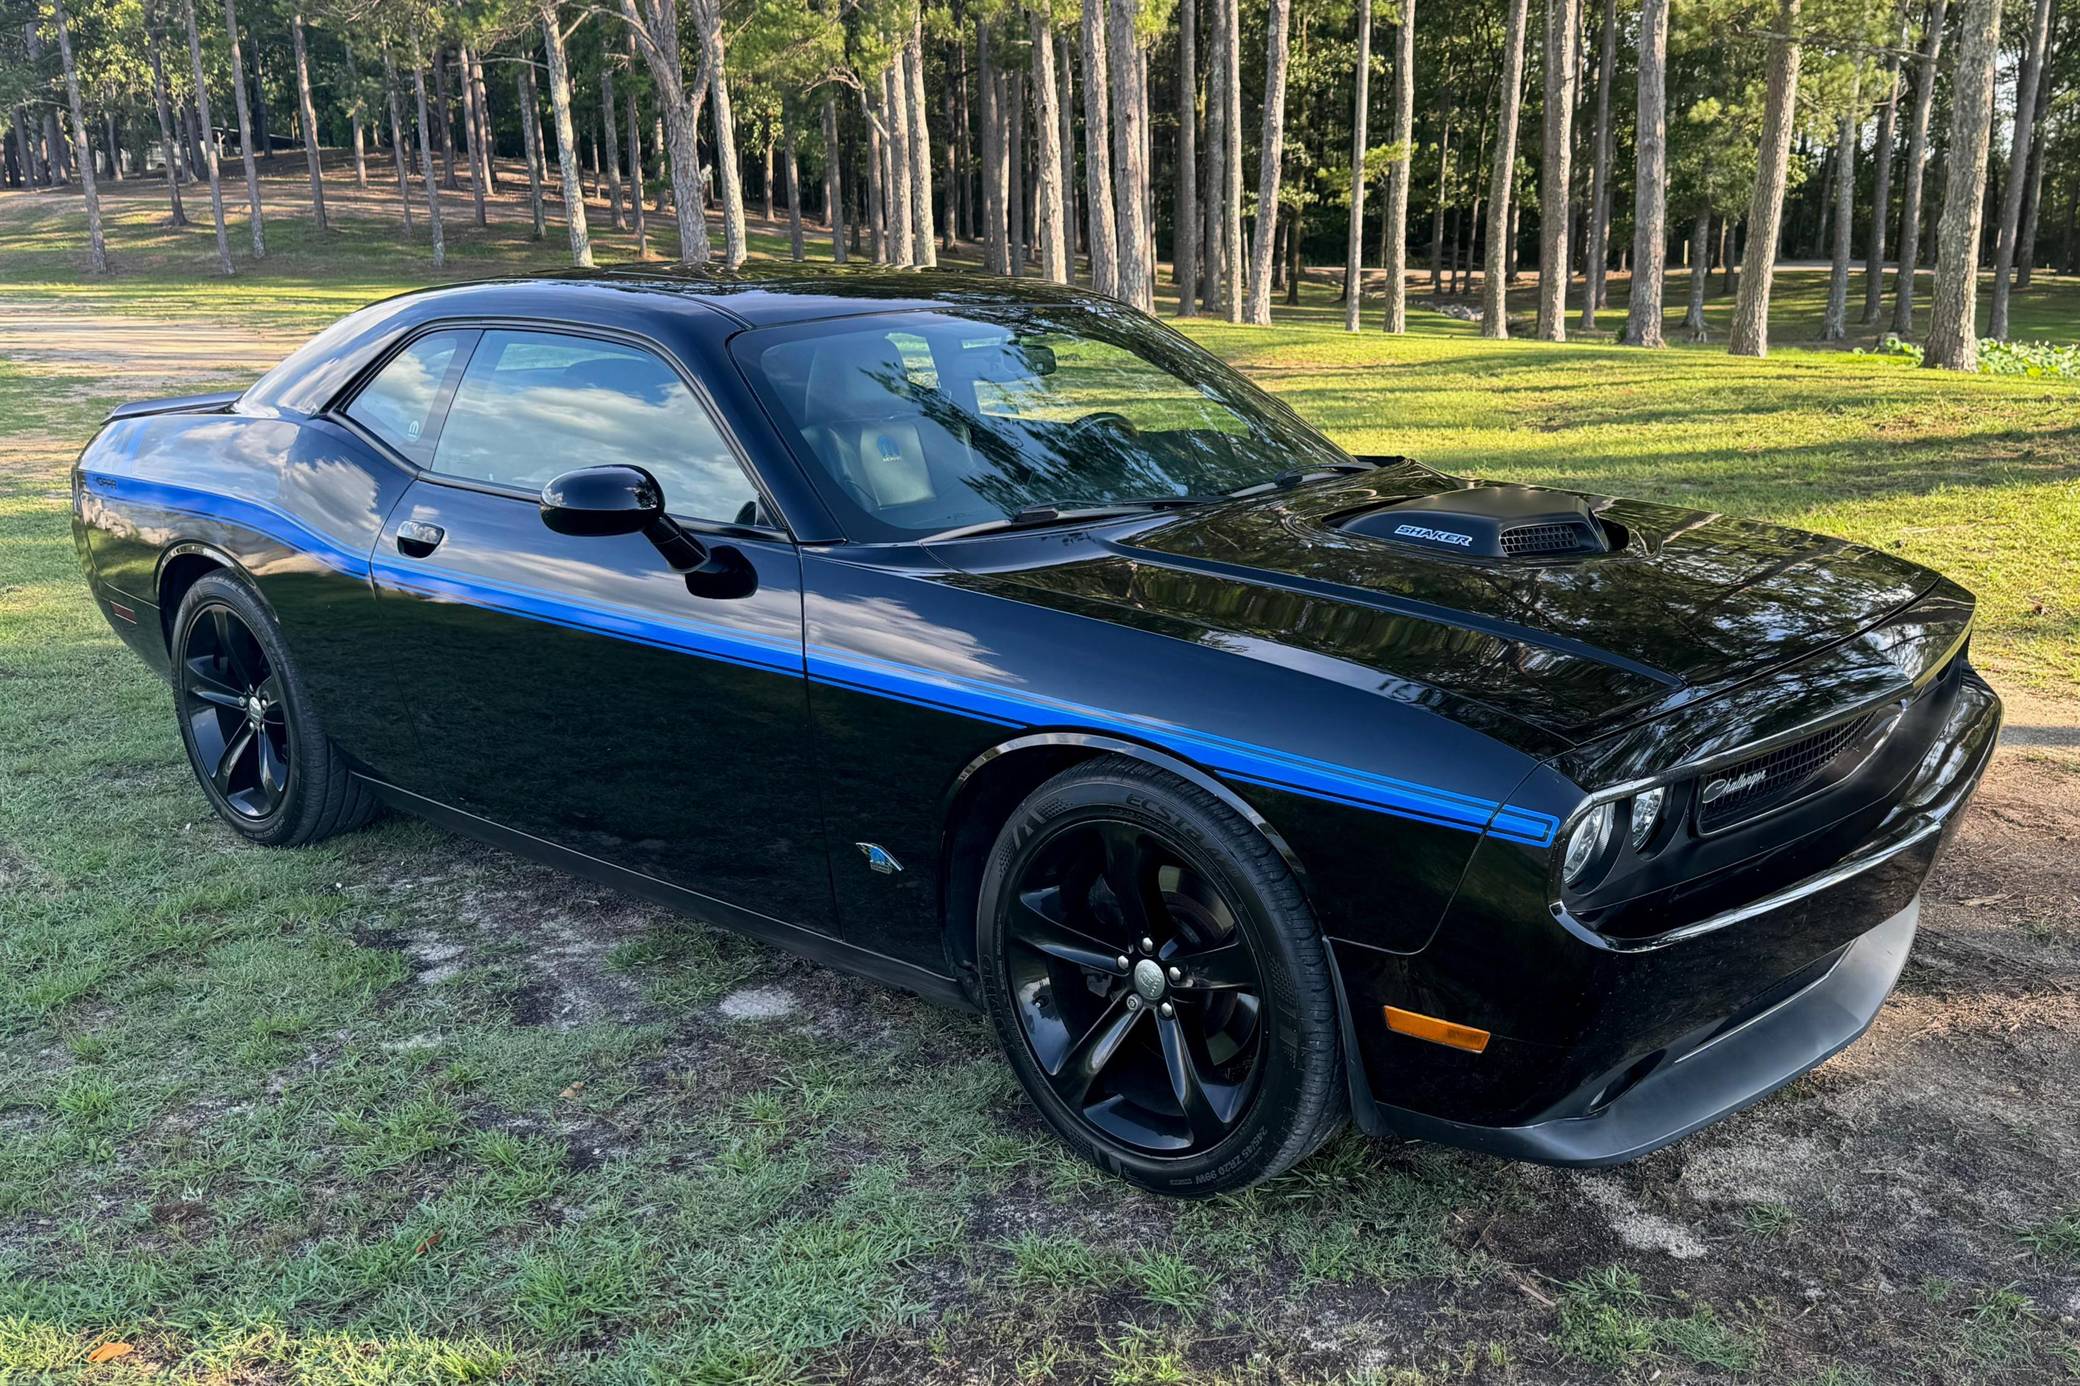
point(531, 405)
point(401, 404)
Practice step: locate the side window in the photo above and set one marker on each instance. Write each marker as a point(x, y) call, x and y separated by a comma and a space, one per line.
point(399, 404)
point(533, 404)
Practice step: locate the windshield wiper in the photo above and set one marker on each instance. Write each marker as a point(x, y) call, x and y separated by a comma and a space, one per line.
point(1286, 481)
point(1065, 512)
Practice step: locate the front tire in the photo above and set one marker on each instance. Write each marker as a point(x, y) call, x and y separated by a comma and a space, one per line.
point(252, 737)
point(1158, 982)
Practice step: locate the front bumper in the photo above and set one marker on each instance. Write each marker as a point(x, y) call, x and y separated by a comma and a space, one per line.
point(1708, 1075)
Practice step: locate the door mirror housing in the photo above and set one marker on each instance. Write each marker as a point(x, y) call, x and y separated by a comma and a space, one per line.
point(595, 501)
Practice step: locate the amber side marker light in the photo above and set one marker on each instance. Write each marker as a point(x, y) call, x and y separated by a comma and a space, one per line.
point(1416, 1025)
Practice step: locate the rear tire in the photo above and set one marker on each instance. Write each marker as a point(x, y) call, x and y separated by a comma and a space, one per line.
point(1179, 1029)
point(253, 739)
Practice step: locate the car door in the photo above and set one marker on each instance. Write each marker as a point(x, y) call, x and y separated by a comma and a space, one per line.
point(575, 688)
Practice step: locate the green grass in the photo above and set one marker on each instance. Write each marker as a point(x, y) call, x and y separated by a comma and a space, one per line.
point(242, 1132)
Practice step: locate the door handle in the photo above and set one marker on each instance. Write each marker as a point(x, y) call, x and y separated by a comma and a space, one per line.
point(417, 540)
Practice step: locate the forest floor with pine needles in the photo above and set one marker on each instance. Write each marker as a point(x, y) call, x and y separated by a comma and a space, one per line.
point(403, 1109)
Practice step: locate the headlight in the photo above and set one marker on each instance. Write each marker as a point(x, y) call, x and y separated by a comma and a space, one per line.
point(1586, 843)
point(1646, 812)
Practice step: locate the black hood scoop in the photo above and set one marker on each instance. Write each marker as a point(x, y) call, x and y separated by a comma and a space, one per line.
point(1486, 522)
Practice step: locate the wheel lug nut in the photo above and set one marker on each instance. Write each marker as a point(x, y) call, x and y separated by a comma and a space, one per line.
point(1124, 962)
point(1168, 1010)
point(1133, 1003)
point(1176, 974)
point(1148, 945)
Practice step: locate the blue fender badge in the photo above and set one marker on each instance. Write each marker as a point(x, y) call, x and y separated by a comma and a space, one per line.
point(879, 858)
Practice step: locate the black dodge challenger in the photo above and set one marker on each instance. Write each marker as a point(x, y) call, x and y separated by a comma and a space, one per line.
point(994, 641)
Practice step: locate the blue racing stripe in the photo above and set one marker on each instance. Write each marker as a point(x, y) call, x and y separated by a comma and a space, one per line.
point(932, 689)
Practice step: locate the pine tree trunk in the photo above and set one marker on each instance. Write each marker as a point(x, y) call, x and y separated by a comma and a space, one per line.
point(208, 154)
point(1097, 151)
point(355, 112)
point(485, 139)
point(1232, 291)
point(1563, 20)
point(1050, 217)
point(996, 230)
point(444, 132)
point(1072, 216)
point(1597, 254)
point(115, 147)
point(1437, 209)
point(833, 186)
point(1750, 336)
point(397, 144)
point(1643, 315)
point(635, 176)
point(2033, 196)
point(97, 246)
point(1184, 255)
point(1270, 159)
point(1012, 102)
point(1700, 275)
point(1834, 326)
point(531, 139)
point(877, 177)
point(707, 23)
point(309, 111)
point(1917, 163)
point(791, 173)
point(1881, 184)
point(433, 192)
point(566, 137)
point(1953, 337)
point(910, 69)
point(1129, 153)
point(165, 110)
point(2018, 167)
point(1394, 233)
point(1496, 271)
point(472, 144)
point(1212, 240)
point(245, 129)
point(1354, 242)
point(609, 144)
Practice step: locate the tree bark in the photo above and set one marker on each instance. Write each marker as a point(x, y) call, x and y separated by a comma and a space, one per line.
point(165, 111)
point(1270, 159)
point(635, 176)
point(2018, 167)
point(208, 147)
point(433, 192)
point(1129, 153)
point(1231, 300)
point(707, 23)
point(790, 172)
point(1881, 184)
point(1050, 220)
point(444, 132)
point(1495, 272)
point(1834, 326)
point(1917, 159)
point(996, 190)
point(902, 220)
point(910, 68)
point(1643, 315)
point(472, 133)
point(309, 111)
point(609, 146)
point(97, 245)
point(1750, 336)
point(1354, 242)
point(245, 128)
point(531, 138)
point(355, 110)
point(1700, 275)
point(1212, 240)
point(397, 146)
point(655, 25)
point(878, 248)
point(2033, 197)
point(1953, 337)
point(1394, 233)
point(1184, 255)
point(1563, 20)
point(1597, 253)
point(486, 143)
point(1012, 102)
point(833, 188)
point(1097, 152)
point(566, 136)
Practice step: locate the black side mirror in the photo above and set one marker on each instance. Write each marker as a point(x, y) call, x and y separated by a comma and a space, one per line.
point(595, 501)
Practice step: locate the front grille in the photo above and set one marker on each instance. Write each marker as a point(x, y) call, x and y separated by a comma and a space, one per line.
point(1754, 787)
point(1525, 540)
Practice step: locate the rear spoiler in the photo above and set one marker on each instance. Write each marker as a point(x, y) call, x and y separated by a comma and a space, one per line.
point(183, 404)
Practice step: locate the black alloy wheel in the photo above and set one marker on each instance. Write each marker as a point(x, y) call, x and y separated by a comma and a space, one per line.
point(1158, 982)
point(252, 736)
point(1134, 986)
point(235, 714)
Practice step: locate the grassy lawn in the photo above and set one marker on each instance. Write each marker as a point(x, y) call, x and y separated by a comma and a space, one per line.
point(399, 1109)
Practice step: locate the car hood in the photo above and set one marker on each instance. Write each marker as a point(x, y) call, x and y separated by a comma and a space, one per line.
point(1686, 603)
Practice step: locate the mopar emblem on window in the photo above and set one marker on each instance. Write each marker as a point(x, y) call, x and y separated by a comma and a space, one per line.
point(1435, 536)
point(879, 858)
point(1719, 789)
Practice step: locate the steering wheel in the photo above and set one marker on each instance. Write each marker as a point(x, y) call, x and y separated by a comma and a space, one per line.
point(1104, 418)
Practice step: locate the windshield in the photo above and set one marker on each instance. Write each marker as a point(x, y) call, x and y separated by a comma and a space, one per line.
point(919, 422)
